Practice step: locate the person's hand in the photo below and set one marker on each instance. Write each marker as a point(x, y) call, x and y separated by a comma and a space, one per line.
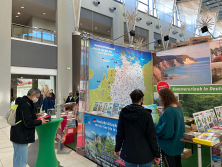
point(157, 160)
point(159, 112)
point(39, 114)
point(44, 121)
point(116, 154)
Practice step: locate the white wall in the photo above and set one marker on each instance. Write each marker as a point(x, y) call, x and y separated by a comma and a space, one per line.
point(5, 55)
point(118, 19)
point(65, 27)
point(42, 23)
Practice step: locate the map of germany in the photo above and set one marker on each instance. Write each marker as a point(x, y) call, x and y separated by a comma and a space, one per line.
point(116, 71)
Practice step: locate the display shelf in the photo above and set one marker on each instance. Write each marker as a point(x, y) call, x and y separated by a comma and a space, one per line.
point(190, 141)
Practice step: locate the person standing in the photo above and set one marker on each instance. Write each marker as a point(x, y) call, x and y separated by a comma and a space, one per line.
point(70, 98)
point(136, 134)
point(24, 132)
point(51, 91)
point(170, 129)
point(76, 97)
point(38, 104)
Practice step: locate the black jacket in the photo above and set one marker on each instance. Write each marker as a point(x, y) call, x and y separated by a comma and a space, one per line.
point(68, 100)
point(136, 135)
point(24, 132)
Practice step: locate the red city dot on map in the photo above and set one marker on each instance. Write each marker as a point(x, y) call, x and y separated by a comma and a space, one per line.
point(162, 85)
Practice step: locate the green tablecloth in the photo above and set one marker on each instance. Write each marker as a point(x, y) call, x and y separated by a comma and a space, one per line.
point(46, 134)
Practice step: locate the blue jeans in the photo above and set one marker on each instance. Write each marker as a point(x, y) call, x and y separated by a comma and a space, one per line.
point(136, 165)
point(20, 155)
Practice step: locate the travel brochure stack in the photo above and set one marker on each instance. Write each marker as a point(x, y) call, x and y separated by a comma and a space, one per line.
point(108, 108)
point(209, 125)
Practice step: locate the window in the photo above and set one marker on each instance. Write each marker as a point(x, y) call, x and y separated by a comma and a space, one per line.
point(143, 5)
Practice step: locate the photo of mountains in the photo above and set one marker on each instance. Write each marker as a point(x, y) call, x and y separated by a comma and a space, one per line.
point(183, 66)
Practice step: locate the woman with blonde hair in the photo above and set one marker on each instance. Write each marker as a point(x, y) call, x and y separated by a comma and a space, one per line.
point(170, 129)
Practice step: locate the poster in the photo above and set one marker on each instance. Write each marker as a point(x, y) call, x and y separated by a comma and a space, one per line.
point(115, 71)
point(23, 86)
point(194, 73)
point(100, 139)
point(45, 86)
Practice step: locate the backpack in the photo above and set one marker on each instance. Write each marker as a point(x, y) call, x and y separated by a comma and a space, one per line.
point(11, 115)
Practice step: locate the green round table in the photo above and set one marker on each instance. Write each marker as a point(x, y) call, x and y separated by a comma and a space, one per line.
point(46, 134)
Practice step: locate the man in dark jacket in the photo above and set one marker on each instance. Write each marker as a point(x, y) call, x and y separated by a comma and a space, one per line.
point(136, 134)
point(70, 98)
point(24, 132)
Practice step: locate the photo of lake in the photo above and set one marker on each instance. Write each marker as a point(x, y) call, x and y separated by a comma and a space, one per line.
point(189, 65)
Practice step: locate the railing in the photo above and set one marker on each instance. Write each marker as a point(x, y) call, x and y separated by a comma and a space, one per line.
point(33, 34)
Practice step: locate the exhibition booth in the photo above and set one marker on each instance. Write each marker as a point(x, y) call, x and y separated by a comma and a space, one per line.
point(111, 71)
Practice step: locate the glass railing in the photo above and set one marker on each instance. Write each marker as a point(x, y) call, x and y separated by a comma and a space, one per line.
point(33, 34)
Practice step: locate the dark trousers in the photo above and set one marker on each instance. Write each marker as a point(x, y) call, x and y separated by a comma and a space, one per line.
point(171, 161)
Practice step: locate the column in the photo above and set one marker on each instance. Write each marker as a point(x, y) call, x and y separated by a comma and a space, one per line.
point(5, 56)
point(65, 27)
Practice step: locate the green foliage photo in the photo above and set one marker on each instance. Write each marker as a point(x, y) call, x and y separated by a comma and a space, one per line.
point(110, 147)
point(192, 103)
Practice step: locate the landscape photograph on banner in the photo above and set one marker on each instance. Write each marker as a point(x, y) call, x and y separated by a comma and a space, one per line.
point(188, 65)
point(193, 103)
point(216, 61)
point(115, 71)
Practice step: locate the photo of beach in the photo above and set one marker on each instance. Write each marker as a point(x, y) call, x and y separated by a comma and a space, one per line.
point(188, 65)
point(216, 61)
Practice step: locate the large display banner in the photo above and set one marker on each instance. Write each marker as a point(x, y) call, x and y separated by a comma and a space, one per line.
point(23, 86)
point(45, 86)
point(194, 73)
point(100, 139)
point(115, 71)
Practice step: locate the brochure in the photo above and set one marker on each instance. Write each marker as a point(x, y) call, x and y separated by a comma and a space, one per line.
point(199, 122)
point(110, 109)
point(96, 104)
point(105, 106)
point(209, 118)
point(100, 106)
point(115, 108)
point(154, 113)
point(213, 115)
point(218, 111)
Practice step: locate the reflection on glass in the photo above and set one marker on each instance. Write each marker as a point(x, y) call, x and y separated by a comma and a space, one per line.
point(28, 33)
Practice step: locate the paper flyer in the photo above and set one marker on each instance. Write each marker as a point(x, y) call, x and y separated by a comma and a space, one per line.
point(105, 106)
point(115, 108)
point(204, 120)
point(100, 106)
point(198, 122)
point(95, 107)
point(154, 113)
point(209, 118)
point(213, 115)
point(110, 108)
point(218, 114)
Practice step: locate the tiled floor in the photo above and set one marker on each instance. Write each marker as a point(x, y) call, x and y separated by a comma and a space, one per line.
point(6, 152)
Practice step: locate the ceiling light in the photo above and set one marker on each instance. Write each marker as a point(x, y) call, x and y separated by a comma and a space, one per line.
point(21, 77)
point(19, 13)
point(96, 28)
point(16, 16)
point(44, 13)
point(108, 31)
point(22, 7)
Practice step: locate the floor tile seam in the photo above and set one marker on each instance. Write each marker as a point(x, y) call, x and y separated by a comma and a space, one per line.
point(6, 147)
